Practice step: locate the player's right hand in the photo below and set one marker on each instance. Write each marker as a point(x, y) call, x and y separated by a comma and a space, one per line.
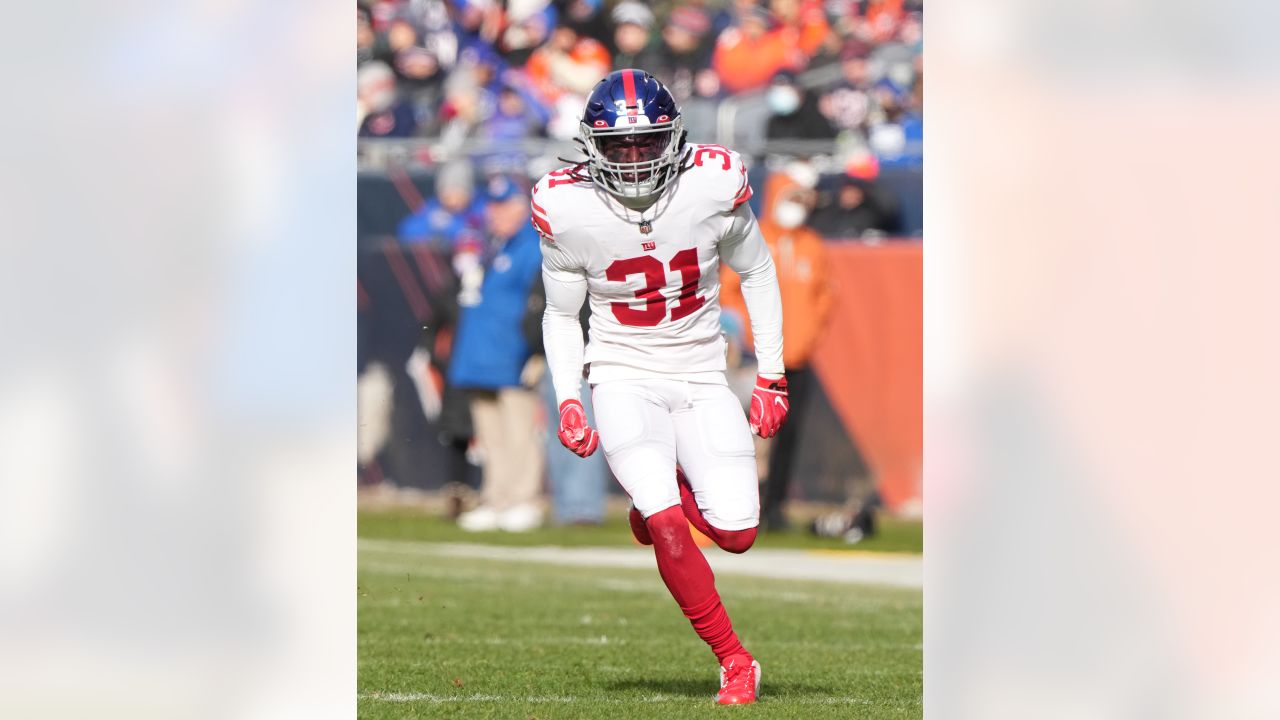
point(575, 433)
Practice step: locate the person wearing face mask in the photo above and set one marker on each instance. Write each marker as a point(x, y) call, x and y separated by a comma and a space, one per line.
point(801, 261)
point(795, 113)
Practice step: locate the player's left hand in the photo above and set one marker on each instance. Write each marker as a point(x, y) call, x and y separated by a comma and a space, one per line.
point(769, 406)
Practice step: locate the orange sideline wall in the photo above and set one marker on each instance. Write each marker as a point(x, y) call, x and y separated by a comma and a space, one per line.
point(870, 360)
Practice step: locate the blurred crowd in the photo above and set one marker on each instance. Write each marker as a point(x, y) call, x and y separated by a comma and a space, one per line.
point(470, 76)
point(489, 72)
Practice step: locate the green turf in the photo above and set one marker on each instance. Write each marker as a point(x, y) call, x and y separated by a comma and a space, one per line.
point(894, 535)
point(463, 638)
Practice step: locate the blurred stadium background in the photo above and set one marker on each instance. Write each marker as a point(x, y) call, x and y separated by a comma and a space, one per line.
point(824, 99)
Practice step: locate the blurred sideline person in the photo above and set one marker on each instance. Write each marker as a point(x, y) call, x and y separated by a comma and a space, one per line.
point(853, 205)
point(801, 261)
point(379, 109)
point(632, 36)
point(490, 355)
point(640, 228)
point(795, 114)
point(453, 211)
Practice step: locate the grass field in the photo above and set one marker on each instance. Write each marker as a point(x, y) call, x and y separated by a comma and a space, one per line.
point(470, 638)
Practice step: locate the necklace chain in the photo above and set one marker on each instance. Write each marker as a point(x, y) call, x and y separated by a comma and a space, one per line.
point(645, 225)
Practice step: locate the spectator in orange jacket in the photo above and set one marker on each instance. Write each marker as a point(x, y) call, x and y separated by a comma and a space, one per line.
point(801, 260)
point(562, 71)
point(749, 55)
point(808, 20)
point(567, 63)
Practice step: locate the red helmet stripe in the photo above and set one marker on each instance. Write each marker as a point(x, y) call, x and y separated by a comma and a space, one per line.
point(629, 87)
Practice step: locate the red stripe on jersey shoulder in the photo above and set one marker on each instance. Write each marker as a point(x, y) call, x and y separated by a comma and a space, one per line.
point(744, 193)
point(542, 226)
point(567, 175)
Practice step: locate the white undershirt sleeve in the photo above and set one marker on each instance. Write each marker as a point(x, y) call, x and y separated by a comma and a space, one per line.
point(561, 330)
point(743, 249)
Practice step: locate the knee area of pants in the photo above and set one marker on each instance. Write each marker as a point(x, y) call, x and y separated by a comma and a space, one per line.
point(736, 541)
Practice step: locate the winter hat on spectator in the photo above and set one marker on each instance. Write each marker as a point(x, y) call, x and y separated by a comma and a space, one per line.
point(757, 14)
point(783, 77)
point(862, 166)
point(690, 19)
point(455, 175)
point(480, 53)
point(634, 13)
point(376, 86)
point(416, 63)
point(503, 187)
point(382, 12)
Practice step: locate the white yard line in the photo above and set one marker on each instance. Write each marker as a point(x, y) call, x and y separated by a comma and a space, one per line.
point(905, 571)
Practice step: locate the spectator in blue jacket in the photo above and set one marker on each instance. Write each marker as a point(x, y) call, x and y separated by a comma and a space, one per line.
point(447, 217)
point(490, 355)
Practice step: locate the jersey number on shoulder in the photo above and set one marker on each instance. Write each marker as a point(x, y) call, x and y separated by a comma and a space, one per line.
point(715, 152)
point(685, 262)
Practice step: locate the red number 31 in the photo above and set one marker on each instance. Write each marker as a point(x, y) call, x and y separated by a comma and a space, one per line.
point(685, 262)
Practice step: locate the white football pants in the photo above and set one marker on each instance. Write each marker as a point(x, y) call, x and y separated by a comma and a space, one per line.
point(647, 426)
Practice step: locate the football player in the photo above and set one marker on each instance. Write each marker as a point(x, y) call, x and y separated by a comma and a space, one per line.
point(639, 228)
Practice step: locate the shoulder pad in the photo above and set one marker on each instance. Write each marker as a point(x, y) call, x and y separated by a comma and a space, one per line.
point(723, 174)
point(545, 199)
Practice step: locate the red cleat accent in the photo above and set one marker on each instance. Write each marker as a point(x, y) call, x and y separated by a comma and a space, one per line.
point(638, 528)
point(739, 681)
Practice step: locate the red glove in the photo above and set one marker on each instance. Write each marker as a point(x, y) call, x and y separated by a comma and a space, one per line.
point(769, 406)
point(575, 434)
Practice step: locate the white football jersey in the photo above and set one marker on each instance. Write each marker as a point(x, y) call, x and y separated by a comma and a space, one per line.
point(653, 278)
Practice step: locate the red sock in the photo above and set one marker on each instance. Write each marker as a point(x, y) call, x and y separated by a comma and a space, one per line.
point(735, 541)
point(689, 578)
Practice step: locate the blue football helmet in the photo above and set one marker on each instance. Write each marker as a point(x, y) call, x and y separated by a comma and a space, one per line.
point(633, 135)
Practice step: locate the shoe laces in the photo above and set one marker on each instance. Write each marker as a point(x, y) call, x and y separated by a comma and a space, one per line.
point(737, 670)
